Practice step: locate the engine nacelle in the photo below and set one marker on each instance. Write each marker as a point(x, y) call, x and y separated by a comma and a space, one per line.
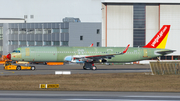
point(103, 60)
point(68, 58)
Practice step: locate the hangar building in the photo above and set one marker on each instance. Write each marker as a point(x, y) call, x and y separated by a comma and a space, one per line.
point(136, 22)
point(39, 23)
point(70, 32)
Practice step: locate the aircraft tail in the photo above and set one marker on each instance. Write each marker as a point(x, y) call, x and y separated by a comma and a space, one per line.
point(91, 45)
point(160, 39)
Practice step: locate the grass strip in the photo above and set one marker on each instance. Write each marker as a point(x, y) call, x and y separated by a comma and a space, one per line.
point(94, 82)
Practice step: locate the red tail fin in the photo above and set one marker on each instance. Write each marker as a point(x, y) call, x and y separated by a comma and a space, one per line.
point(159, 40)
point(91, 45)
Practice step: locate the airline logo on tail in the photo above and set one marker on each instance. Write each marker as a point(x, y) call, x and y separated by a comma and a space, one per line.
point(160, 39)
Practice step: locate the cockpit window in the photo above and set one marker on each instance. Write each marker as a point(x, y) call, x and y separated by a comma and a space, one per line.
point(16, 51)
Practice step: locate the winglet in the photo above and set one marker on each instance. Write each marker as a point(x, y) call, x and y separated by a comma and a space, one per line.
point(91, 45)
point(126, 48)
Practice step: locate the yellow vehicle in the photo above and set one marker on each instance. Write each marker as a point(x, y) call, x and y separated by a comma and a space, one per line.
point(8, 66)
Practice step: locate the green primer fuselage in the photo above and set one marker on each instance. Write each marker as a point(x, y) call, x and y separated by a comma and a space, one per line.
point(57, 54)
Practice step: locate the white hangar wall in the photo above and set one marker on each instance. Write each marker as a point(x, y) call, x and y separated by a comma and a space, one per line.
point(152, 21)
point(119, 26)
point(170, 14)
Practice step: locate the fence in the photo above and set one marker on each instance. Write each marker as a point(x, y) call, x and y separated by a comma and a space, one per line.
point(165, 68)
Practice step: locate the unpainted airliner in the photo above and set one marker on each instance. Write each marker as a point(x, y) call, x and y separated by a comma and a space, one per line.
point(90, 55)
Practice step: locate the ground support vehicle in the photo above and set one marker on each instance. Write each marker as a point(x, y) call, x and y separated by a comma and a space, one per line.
point(8, 66)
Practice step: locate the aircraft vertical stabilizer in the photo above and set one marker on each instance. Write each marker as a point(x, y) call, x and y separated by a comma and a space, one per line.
point(160, 39)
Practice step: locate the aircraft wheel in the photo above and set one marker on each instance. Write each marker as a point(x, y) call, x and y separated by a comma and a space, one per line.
point(18, 68)
point(84, 68)
point(44, 63)
point(94, 68)
point(33, 68)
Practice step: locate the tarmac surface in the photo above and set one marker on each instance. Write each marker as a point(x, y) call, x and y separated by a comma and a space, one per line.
point(83, 95)
point(78, 69)
point(86, 96)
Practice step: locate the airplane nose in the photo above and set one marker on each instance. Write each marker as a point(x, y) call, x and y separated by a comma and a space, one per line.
point(9, 56)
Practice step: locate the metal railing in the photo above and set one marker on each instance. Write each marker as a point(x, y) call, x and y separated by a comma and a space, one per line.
point(165, 68)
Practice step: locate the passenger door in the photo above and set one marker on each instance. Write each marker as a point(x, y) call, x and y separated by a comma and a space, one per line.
point(28, 56)
point(145, 53)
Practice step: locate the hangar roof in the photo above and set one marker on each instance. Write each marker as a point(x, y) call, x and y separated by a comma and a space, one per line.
point(12, 20)
point(140, 1)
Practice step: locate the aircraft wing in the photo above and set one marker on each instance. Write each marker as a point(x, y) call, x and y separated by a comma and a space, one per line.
point(107, 55)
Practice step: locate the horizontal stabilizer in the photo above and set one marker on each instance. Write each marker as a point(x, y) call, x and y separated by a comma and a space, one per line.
point(166, 52)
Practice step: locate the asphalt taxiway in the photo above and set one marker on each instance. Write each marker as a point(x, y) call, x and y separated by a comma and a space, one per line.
point(83, 95)
point(77, 69)
point(86, 96)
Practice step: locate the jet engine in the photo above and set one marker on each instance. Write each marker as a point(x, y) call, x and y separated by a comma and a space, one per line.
point(102, 60)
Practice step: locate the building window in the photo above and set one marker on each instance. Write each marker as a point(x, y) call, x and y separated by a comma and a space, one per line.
point(38, 31)
point(21, 31)
point(47, 43)
point(139, 25)
point(9, 42)
point(30, 43)
point(38, 43)
point(64, 43)
point(81, 37)
point(47, 31)
point(25, 16)
point(32, 16)
point(15, 31)
point(1, 30)
point(97, 44)
point(30, 31)
point(14, 42)
point(1, 37)
point(98, 31)
point(55, 43)
point(175, 57)
point(23, 43)
point(10, 31)
point(64, 30)
point(1, 34)
point(55, 30)
point(165, 58)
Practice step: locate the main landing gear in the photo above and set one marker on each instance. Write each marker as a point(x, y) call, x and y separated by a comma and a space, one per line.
point(89, 65)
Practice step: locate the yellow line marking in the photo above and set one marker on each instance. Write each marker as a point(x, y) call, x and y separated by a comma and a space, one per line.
point(6, 72)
